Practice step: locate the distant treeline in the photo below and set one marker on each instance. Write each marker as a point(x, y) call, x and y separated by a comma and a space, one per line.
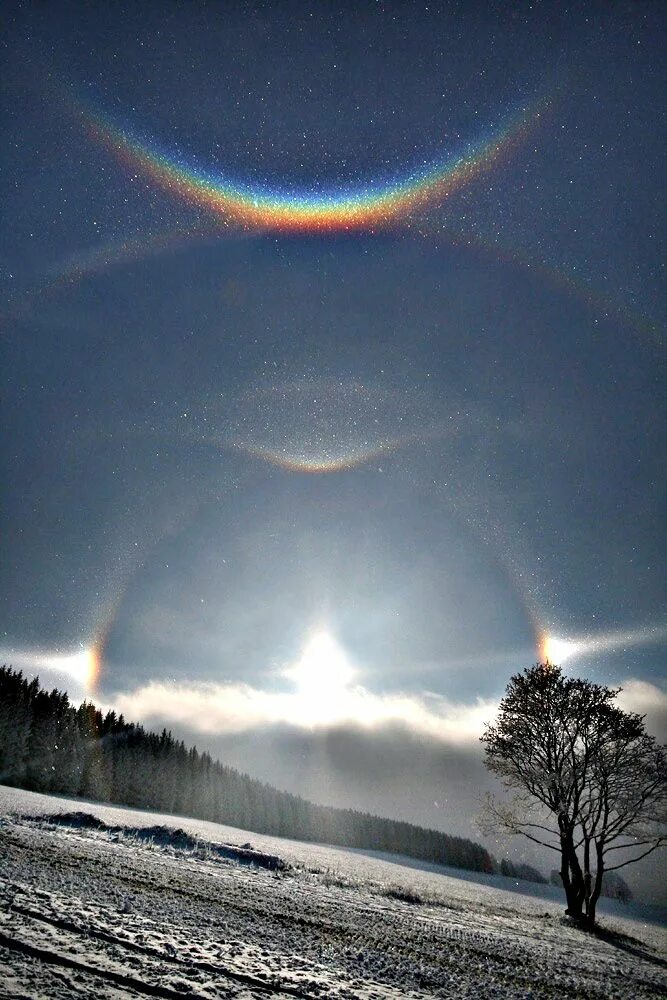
point(522, 871)
point(48, 745)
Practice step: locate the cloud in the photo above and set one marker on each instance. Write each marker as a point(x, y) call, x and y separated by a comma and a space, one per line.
point(232, 708)
point(649, 700)
point(235, 708)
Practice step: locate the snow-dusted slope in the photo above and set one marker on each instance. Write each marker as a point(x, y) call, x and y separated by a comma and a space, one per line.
point(106, 913)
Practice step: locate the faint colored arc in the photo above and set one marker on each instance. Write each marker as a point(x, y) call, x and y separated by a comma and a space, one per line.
point(558, 276)
point(319, 465)
point(364, 207)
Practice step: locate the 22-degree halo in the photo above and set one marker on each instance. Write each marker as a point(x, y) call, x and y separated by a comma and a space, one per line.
point(339, 209)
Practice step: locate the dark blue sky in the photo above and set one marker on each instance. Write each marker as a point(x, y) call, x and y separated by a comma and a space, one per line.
point(428, 442)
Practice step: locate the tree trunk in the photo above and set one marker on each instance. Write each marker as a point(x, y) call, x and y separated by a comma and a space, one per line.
point(591, 903)
point(571, 874)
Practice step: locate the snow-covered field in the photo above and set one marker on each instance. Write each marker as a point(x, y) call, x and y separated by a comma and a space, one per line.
point(111, 912)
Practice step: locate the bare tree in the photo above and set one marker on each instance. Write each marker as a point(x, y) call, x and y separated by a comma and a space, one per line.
point(587, 780)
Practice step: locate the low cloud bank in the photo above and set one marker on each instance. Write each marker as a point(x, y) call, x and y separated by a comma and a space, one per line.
point(223, 709)
point(233, 708)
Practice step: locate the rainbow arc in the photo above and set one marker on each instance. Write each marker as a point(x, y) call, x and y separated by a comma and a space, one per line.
point(367, 207)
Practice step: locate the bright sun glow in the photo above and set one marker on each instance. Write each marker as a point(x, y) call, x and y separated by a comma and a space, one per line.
point(323, 670)
point(81, 667)
point(556, 650)
point(77, 671)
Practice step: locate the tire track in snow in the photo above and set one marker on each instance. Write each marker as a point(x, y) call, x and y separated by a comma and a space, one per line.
point(280, 989)
point(119, 978)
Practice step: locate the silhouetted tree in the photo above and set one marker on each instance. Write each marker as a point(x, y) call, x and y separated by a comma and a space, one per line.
point(588, 781)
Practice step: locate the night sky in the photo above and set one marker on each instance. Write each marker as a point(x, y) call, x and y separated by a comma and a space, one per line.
point(333, 373)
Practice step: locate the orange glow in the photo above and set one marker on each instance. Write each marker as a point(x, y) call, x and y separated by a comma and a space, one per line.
point(555, 650)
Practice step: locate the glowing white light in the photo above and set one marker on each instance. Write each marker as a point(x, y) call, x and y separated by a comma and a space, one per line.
point(323, 670)
point(82, 667)
point(556, 650)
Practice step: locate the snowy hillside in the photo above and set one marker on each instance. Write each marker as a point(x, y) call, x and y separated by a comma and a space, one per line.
point(107, 907)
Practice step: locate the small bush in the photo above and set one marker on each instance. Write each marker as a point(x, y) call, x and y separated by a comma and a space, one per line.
point(403, 895)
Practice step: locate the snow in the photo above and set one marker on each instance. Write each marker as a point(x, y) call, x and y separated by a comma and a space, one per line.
point(123, 911)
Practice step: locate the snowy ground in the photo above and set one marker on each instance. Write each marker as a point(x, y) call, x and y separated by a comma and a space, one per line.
point(111, 912)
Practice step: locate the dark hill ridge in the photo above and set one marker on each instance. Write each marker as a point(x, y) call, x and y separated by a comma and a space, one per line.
point(48, 745)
